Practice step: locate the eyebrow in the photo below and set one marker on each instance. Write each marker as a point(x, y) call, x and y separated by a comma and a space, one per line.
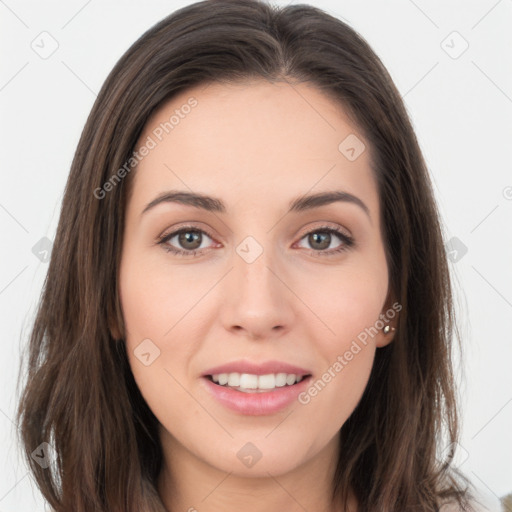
point(299, 204)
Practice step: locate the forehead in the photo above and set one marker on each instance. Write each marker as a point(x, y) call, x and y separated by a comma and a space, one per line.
point(253, 141)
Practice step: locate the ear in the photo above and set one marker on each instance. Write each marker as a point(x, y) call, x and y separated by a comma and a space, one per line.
point(114, 331)
point(388, 317)
point(382, 339)
point(115, 324)
point(115, 318)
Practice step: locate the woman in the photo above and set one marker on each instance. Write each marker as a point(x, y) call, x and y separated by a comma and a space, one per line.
point(248, 303)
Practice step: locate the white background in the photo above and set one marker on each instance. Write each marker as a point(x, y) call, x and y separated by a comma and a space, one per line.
point(461, 109)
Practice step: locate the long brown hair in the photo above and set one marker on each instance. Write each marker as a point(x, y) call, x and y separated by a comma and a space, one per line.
point(80, 396)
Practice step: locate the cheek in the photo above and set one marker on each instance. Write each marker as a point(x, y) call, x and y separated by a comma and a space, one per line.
point(158, 311)
point(156, 298)
point(332, 397)
point(349, 305)
point(348, 302)
point(347, 357)
point(157, 354)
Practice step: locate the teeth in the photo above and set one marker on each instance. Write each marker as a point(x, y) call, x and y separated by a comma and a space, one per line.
point(266, 381)
point(290, 379)
point(248, 381)
point(234, 379)
point(280, 380)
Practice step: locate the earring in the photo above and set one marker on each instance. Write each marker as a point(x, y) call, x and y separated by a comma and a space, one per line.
point(387, 329)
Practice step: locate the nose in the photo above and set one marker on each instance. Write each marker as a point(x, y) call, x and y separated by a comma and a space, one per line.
point(258, 302)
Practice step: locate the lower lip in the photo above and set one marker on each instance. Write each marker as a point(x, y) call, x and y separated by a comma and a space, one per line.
point(256, 404)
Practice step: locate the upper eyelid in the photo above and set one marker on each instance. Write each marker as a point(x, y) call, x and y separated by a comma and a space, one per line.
point(325, 226)
point(174, 232)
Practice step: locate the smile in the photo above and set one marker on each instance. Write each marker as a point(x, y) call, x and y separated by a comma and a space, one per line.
point(251, 383)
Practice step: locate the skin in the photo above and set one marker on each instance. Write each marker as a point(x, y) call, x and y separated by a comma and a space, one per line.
point(256, 146)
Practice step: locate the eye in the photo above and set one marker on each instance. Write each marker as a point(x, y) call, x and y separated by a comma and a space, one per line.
point(189, 240)
point(321, 239)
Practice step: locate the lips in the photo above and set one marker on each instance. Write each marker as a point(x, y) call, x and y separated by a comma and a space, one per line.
point(256, 402)
point(264, 368)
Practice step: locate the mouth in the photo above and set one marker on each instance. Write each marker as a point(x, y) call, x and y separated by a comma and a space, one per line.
point(252, 383)
point(256, 388)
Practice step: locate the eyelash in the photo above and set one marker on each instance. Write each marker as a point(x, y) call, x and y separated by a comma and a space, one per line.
point(348, 241)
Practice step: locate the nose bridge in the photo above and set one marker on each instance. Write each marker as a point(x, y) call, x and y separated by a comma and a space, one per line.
point(258, 301)
point(253, 262)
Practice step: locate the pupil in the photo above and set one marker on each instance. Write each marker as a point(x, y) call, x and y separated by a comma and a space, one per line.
point(190, 237)
point(315, 237)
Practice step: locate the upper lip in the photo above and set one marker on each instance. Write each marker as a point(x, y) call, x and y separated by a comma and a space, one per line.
point(263, 368)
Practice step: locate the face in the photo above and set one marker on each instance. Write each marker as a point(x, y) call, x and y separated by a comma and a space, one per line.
point(252, 282)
